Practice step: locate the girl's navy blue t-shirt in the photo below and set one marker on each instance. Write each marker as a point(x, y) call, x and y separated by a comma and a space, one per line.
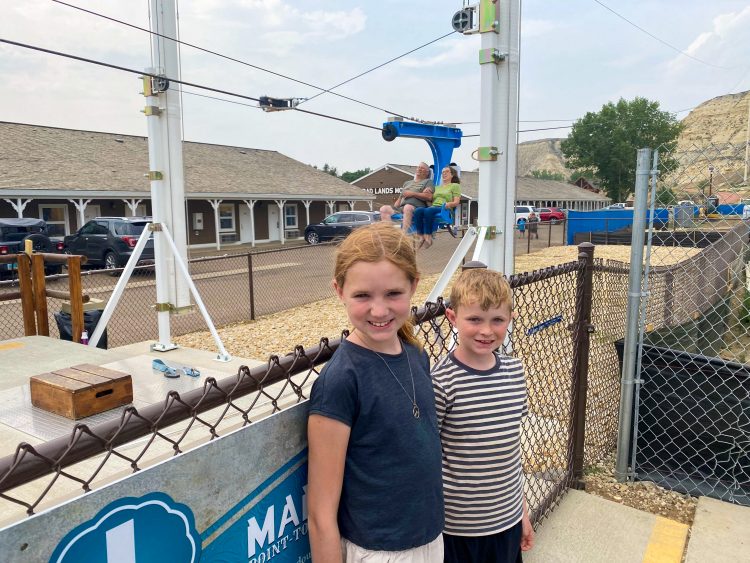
point(392, 495)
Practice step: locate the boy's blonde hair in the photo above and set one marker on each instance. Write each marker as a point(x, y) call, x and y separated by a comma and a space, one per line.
point(486, 288)
point(376, 242)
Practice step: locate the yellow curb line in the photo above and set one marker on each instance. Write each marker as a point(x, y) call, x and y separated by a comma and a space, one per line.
point(667, 542)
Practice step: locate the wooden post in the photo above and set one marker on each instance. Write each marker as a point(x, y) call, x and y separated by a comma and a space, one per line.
point(582, 329)
point(27, 294)
point(76, 296)
point(40, 294)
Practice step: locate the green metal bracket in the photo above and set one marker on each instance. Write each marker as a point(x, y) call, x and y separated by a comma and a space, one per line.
point(491, 233)
point(487, 153)
point(155, 175)
point(162, 307)
point(155, 227)
point(147, 86)
point(488, 16)
point(490, 56)
point(151, 110)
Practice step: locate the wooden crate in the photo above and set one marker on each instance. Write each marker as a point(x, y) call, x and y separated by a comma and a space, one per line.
point(81, 391)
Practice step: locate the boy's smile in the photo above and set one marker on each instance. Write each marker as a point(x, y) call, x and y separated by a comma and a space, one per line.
point(480, 333)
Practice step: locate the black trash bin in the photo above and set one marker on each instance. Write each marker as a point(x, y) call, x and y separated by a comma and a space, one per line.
point(90, 320)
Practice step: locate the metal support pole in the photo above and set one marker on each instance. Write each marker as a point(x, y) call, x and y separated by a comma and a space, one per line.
point(499, 30)
point(166, 58)
point(625, 427)
point(122, 281)
point(581, 344)
point(163, 265)
point(252, 285)
point(223, 354)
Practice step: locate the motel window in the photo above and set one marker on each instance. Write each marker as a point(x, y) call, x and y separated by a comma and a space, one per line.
point(290, 216)
point(56, 217)
point(226, 217)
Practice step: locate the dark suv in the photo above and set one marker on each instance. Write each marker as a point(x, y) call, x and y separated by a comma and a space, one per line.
point(109, 241)
point(339, 225)
point(13, 236)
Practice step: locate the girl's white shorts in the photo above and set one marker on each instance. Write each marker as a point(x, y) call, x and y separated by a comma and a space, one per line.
point(429, 553)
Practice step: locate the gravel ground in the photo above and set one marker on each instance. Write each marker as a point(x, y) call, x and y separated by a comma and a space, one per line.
point(279, 333)
point(643, 495)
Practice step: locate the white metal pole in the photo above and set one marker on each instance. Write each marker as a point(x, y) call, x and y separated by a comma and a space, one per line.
point(158, 212)
point(500, 52)
point(747, 138)
point(223, 355)
point(120, 286)
point(166, 57)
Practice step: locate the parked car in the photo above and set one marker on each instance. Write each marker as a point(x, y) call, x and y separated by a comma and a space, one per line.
point(109, 241)
point(13, 236)
point(339, 225)
point(552, 214)
point(523, 212)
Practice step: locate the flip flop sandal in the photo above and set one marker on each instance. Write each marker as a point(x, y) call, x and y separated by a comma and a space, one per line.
point(174, 371)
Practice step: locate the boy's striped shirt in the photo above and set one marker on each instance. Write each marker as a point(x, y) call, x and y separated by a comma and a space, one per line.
point(480, 415)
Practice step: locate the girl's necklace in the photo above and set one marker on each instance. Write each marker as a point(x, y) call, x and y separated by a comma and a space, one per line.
point(413, 399)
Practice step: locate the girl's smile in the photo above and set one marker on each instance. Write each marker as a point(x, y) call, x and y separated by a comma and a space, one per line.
point(377, 297)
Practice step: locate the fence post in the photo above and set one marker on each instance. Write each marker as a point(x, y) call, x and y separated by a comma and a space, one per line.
point(549, 235)
point(582, 329)
point(632, 323)
point(40, 294)
point(76, 296)
point(27, 294)
point(252, 288)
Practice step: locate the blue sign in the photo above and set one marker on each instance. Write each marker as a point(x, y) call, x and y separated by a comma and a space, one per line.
point(273, 528)
point(149, 529)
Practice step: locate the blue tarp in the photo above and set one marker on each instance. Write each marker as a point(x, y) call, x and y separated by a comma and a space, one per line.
point(733, 209)
point(607, 220)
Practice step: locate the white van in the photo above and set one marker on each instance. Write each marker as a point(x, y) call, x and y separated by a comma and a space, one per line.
point(523, 212)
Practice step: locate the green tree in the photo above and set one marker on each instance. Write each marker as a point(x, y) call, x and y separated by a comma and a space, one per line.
point(328, 169)
point(548, 175)
point(665, 196)
point(351, 176)
point(605, 143)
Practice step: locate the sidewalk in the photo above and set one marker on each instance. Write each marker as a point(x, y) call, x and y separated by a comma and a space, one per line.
point(586, 528)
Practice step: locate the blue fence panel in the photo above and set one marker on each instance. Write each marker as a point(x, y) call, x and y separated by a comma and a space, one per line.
point(607, 220)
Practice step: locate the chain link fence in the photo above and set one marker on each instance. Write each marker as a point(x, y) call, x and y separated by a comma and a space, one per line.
point(692, 391)
point(234, 288)
point(551, 334)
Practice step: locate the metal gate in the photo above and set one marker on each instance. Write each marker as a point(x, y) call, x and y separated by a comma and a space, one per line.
point(691, 379)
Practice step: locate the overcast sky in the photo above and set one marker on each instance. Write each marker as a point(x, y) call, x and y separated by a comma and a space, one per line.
point(575, 57)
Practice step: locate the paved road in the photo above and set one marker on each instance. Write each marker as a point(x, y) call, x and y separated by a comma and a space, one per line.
point(281, 280)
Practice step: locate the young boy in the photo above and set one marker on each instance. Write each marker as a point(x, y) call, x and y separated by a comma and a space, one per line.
point(481, 400)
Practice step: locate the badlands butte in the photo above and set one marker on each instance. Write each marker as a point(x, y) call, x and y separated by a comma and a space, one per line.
point(713, 133)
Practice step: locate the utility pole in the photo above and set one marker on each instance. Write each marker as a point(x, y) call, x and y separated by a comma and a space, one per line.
point(499, 59)
point(165, 166)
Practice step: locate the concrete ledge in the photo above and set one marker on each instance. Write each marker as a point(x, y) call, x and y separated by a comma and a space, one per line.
point(720, 532)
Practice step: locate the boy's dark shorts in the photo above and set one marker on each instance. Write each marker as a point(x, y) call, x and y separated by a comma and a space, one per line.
point(503, 547)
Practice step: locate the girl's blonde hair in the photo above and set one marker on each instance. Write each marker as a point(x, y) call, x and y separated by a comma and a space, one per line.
point(380, 241)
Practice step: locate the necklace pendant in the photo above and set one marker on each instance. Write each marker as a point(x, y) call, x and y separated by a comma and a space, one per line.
point(415, 411)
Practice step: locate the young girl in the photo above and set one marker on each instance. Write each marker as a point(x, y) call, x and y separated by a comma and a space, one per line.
point(374, 480)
